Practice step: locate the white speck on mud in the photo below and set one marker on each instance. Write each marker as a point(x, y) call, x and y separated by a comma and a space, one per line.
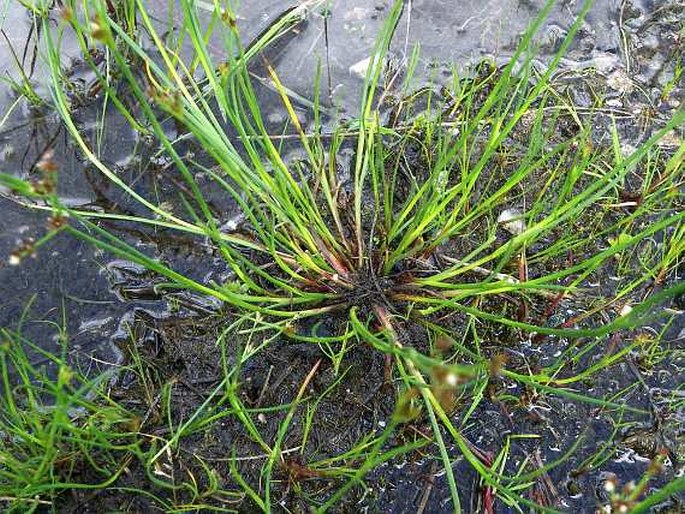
point(512, 221)
point(359, 68)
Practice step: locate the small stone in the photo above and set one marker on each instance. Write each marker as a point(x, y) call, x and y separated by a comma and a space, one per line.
point(276, 117)
point(670, 140)
point(359, 69)
point(620, 81)
point(512, 221)
point(627, 149)
point(357, 14)
point(452, 380)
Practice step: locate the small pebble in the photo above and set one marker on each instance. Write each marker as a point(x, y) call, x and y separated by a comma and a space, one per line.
point(512, 221)
point(359, 69)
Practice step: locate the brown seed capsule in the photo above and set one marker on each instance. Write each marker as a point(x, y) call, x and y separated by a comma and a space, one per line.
point(407, 408)
point(228, 19)
point(24, 249)
point(97, 29)
point(66, 14)
point(47, 163)
point(443, 343)
point(44, 186)
point(56, 222)
point(496, 364)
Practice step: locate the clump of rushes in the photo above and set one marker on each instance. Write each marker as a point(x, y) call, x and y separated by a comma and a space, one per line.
point(402, 249)
point(55, 424)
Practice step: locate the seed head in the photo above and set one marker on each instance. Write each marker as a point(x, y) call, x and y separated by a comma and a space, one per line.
point(47, 163)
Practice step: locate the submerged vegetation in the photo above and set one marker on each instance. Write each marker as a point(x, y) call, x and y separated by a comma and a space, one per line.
point(480, 244)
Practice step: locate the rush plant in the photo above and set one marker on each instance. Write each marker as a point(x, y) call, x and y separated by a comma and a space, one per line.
point(463, 215)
